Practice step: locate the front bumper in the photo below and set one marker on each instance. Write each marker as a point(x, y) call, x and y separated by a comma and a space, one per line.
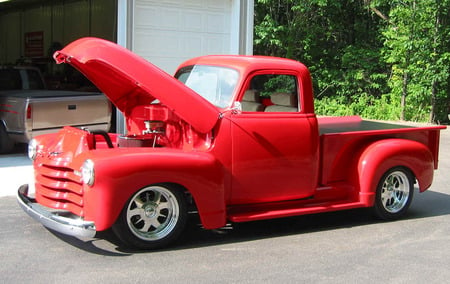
point(57, 220)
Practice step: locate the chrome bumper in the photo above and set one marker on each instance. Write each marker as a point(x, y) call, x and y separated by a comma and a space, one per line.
point(54, 220)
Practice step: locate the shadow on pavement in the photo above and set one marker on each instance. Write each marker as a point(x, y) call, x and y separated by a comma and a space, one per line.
point(425, 205)
point(89, 245)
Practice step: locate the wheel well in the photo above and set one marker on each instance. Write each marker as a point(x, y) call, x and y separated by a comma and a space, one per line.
point(377, 158)
point(406, 168)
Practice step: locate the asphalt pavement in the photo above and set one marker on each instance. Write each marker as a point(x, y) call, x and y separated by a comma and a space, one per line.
point(340, 247)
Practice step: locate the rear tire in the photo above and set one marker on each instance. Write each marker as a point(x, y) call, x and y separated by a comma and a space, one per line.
point(6, 144)
point(394, 194)
point(152, 218)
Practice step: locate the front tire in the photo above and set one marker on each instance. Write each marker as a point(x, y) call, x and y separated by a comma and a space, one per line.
point(152, 218)
point(394, 194)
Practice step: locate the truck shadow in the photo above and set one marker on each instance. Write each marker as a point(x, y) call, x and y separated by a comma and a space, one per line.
point(429, 204)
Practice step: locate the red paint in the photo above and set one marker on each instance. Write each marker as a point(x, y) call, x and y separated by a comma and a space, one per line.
point(238, 166)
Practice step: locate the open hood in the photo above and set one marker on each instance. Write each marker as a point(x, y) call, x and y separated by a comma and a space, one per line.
point(129, 80)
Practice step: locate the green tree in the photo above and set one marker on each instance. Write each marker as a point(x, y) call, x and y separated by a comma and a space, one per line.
point(416, 46)
point(377, 58)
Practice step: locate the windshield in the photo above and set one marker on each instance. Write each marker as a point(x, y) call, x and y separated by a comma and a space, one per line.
point(215, 84)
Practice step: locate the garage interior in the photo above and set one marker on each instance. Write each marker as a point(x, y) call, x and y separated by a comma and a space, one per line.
point(32, 30)
point(165, 32)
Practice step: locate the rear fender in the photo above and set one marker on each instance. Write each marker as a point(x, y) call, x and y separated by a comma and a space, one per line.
point(119, 176)
point(383, 155)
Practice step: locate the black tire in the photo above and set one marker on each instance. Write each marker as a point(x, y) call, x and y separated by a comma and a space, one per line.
point(152, 218)
point(394, 194)
point(6, 144)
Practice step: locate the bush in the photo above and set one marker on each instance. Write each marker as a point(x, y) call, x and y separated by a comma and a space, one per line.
point(384, 108)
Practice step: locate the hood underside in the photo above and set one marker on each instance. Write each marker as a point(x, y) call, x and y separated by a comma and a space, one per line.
point(129, 80)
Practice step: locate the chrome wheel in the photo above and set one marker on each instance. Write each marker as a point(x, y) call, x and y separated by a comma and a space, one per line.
point(395, 191)
point(153, 217)
point(152, 213)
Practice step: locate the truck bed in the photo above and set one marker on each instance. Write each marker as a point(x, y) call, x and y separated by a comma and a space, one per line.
point(341, 137)
point(336, 125)
point(28, 113)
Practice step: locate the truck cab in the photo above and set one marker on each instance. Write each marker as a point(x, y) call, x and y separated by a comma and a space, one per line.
point(267, 106)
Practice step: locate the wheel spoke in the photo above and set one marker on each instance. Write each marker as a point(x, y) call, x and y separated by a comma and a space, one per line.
point(384, 201)
point(163, 215)
point(155, 223)
point(157, 197)
point(390, 180)
point(147, 225)
point(137, 212)
point(163, 205)
point(139, 202)
point(400, 195)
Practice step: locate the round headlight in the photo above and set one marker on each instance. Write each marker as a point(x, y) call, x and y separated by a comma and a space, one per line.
point(32, 149)
point(87, 172)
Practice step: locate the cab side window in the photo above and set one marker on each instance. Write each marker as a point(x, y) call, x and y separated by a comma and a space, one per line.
point(271, 93)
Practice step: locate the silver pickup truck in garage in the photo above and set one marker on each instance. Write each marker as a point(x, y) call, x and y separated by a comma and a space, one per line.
point(28, 109)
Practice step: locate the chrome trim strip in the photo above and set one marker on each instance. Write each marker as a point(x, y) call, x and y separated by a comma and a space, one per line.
point(51, 220)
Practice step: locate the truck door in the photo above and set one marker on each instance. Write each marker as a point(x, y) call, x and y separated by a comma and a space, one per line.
point(274, 147)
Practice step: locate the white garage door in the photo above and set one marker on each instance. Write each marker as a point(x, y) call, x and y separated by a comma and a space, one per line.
point(167, 32)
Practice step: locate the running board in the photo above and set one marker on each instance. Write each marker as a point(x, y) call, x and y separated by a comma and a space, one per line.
point(246, 213)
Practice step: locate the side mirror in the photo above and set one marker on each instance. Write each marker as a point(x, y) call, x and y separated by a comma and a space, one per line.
point(236, 108)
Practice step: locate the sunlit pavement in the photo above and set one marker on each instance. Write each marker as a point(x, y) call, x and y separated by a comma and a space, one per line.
point(15, 170)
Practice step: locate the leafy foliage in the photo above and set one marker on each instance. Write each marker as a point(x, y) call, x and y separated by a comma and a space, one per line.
point(380, 59)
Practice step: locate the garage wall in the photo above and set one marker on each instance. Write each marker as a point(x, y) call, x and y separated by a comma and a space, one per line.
point(167, 32)
point(10, 39)
point(59, 22)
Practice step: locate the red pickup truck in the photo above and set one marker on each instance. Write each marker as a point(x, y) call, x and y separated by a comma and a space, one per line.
point(209, 140)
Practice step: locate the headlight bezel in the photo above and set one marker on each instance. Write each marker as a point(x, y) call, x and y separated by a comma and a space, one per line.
point(88, 172)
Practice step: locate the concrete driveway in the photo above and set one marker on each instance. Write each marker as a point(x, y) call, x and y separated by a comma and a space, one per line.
point(339, 247)
point(15, 170)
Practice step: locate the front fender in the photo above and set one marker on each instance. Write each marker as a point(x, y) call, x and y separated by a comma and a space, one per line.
point(383, 155)
point(122, 172)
